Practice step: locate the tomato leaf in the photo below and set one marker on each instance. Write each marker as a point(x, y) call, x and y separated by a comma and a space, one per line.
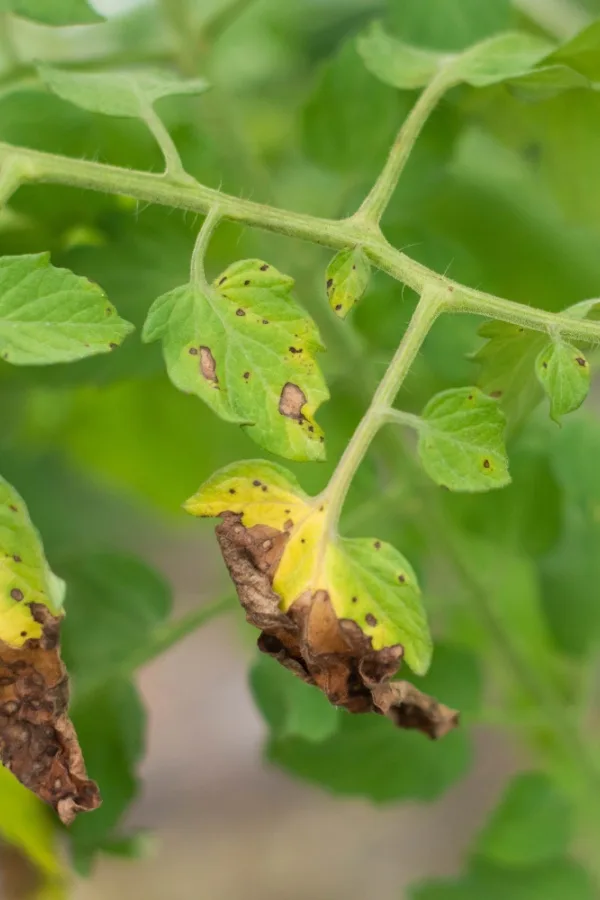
point(246, 348)
point(347, 279)
point(50, 315)
point(564, 373)
point(461, 441)
point(53, 12)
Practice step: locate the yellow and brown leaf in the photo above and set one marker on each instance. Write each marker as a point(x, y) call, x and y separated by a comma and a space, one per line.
point(37, 741)
point(341, 614)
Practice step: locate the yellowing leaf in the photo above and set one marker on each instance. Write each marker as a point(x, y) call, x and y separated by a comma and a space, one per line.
point(347, 279)
point(246, 348)
point(37, 740)
point(367, 581)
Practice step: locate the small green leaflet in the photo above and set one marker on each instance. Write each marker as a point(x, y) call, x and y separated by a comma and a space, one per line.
point(564, 373)
point(521, 60)
point(531, 825)
point(347, 279)
point(53, 12)
point(461, 441)
point(50, 315)
point(246, 348)
point(128, 94)
point(582, 52)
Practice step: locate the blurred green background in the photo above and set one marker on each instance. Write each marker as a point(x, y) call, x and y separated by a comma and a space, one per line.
point(501, 194)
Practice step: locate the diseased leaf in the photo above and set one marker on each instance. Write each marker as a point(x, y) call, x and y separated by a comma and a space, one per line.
point(246, 348)
point(127, 93)
point(53, 12)
point(507, 372)
point(530, 826)
point(37, 740)
point(557, 880)
point(339, 613)
point(502, 57)
point(564, 373)
point(347, 279)
point(291, 706)
point(50, 315)
point(461, 441)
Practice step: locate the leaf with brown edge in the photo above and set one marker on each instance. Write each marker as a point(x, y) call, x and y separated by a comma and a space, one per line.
point(37, 740)
point(340, 614)
point(245, 347)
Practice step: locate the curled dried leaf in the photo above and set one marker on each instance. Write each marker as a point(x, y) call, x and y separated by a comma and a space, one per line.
point(332, 653)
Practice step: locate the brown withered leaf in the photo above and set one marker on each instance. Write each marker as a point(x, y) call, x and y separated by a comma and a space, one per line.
point(332, 654)
point(38, 743)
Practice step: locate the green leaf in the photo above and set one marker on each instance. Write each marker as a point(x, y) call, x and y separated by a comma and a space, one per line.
point(507, 372)
point(28, 824)
point(111, 727)
point(553, 881)
point(116, 605)
point(25, 576)
point(291, 707)
point(50, 315)
point(461, 441)
point(545, 82)
point(396, 63)
point(497, 59)
point(347, 279)
point(128, 94)
point(246, 348)
point(333, 136)
point(367, 757)
point(530, 826)
point(582, 52)
point(564, 373)
point(53, 12)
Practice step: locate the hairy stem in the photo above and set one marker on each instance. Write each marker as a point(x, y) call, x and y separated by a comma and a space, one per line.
point(39, 167)
point(399, 417)
point(197, 273)
point(173, 165)
point(377, 200)
point(428, 309)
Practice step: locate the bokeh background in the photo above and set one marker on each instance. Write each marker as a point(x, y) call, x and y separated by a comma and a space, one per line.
point(502, 194)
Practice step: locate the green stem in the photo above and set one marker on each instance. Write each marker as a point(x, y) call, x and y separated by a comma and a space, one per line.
point(399, 417)
point(197, 273)
point(173, 166)
point(428, 309)
point(377, 200)
point(39, 167)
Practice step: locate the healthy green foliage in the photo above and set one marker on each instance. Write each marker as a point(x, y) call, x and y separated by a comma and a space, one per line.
point(564, 373)
point(128, 94)
point(53, 12)
point(346, 279)
point(246, 348)
point(50, 315)
point(461, 441)
point(530, 826)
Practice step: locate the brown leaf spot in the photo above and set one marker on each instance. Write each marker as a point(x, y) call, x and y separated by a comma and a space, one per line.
point(16, 594)
point(401, 578)
point(330, 653)
point(240, 312)
point(295, 350)
point(13, 508)
point(265, 321)
point(371, 620)
point(377, 545)
point(223, 280)
point(338, 307)
point(247, 282)
point(37, 740)
point(113, 346)
point(17, 558)
point(264, 488)
point(486, 464)
point(496, 394)
point(264, 267)
point(232, 491)
point(544, 365)
point(208, 366)
point(291, 401)
point(581, 361)
point(246, 375)
point(193, 351)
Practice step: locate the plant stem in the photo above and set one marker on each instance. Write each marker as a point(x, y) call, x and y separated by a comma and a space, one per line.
point(173, 165)
point(428, 309)
point(37, 166)
point(197, 273)
point(399, 417)
point(376, 202)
